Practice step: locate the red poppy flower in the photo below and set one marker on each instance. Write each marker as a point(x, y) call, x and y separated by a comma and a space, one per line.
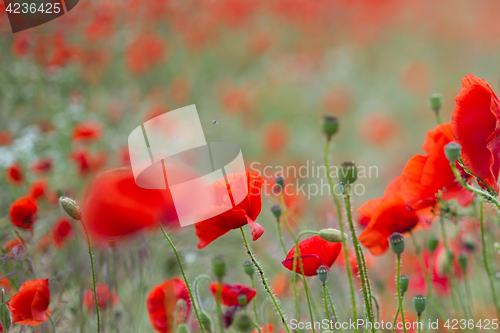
point(388, 215)
point(86, 131)
point(14, 174)
point(61, 232)
point(86, 161)
point(23, 212)
point(42, 165)
point(476, 126)
point(37, 189)
point(315, 252)
point(161, 303)
point(245, 212)
point(145, 52)
point(116, 207)
point(104, 298)
point(31, 304)
point(6, 138)
point(426, 175)
point(230, 293)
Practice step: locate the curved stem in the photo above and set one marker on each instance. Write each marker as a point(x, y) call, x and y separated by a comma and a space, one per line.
point(400, 297)
point(184, 276)
point(93, 277)
point(395, 319)
point(377, 307)
point(333, 309)
point(196, 281)
point(359, 254)
point(266, 286)
point(341, 227)
point(485, 259)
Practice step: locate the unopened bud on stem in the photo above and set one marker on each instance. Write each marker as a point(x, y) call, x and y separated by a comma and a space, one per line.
point(71, 208)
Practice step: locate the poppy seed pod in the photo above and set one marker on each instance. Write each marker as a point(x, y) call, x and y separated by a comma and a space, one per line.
point(397, 243)
point(71, 208)
point(242, 322)
point(332, 235)
point(452, 150)
point(348, 173)
point(5, 317)
point(276, 210)
point(219, 267)
point(279, 180)
point(182, 328)
point(404, 282)
point(419, 303)
point(330, 125)
point(206, 322)
point(432, 243)
point(322, 274)
point(435, 101)
point(249, 268)
point(462, 261)
point(243, 300)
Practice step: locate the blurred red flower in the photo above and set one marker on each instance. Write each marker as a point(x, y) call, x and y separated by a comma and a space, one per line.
point(230, 293)
point(23, 212)
point(31, 304)
point(13, 244)
point(476, 126)
point(6, 138)
point(161, 303)
point(104, 298)
point(61, 232)
point(42, 165)
point(86, 161)
point(144, 53)
point(275, 137)
point(37, 189)
point(426, 175)
point(235, 101)
point(14, 174)
point(116, 207)
point(245, 212)
point(315, 252)
point(388, 215)
point(86, 131)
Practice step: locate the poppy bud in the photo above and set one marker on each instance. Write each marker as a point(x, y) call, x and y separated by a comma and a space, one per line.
point(432, 243)
point(322, 274)
point(249, 268)
point(348, 172)
point(279, 180)
point(71, 208)
point(5, 316)
point(419, 303)
point(276, 210)
point(404, 282)
point(452, 150)
point(182, 328)
point(243, 300)
point(206, 322)
point(242, 322)
point(219, 267)
point(435, 101)
point(397, 243)
point(462, 261)
point(332, 235)
point(330, 125)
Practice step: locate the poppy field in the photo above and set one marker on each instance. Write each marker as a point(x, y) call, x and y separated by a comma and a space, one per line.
point(370, 136)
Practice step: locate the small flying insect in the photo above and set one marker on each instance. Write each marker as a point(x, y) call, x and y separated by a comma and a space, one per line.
point(214, 121)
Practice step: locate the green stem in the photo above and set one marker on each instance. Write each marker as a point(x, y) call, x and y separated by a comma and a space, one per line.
point(438, 118)
point(377, 307)
point(299, 257)
point(218, 300)
point(400, 297)
point(327, 312)
point(449, 254)
point(419, 323)
point(196, 281)
point(255, 307)
point(395, 319)
point(93, 276)
point(52, 322)
point(283, 246)
point(489, 198)
point(359, 255)
point(184, 276)
point(266, 286)
point(333, 309)
point(341, 227)
point(486, 261)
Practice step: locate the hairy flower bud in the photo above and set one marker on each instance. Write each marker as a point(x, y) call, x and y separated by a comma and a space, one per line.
point(243, 300)
point(276, 210)
point(280, 181)
point(435, 101)
point(206, 322)
point(348, 172)
point(463, 261)
point(249, 268)
point(182, 328)
point(242, 322)
point(71, 208)
point(219, 267)
point(332, 235)
point(330, 125)
point(452, 150)
point(432, 243)
point(419, 303)
point(397, 243)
